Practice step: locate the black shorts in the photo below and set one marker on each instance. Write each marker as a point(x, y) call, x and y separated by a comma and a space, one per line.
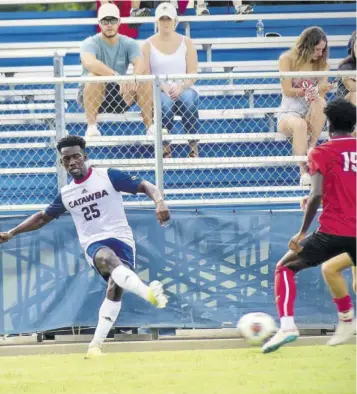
point(113, 102)
point(320, 247)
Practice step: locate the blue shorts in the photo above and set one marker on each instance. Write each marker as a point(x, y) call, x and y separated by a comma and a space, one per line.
point(124, 251)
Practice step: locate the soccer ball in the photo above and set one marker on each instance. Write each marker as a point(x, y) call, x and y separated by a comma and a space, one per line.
point(256, 327)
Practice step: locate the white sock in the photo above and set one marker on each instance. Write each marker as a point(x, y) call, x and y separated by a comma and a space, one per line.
point(287, 323)
point(108, 314)
point(346, 316)
point(128, 280)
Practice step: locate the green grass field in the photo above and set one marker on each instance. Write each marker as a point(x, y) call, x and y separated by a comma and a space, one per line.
point(294, 370)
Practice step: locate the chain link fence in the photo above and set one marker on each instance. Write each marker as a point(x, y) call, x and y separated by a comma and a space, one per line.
point(219, 140)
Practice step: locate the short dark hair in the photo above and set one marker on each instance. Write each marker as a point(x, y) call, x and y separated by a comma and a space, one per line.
point(71, 140)
point(341, 114)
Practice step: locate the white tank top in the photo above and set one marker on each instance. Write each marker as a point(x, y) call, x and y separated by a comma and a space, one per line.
point(162, 64)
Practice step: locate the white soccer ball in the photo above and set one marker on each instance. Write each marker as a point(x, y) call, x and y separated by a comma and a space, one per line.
point(256, 327)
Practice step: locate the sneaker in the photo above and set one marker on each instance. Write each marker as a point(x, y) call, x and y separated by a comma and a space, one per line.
point(244, 9)
point(344, 331)
point(156, 294)
point(150, 132)
point(93, 352)
point(305, 179)
point(202, 10)
point(92, 131)
point(138, 12)
point(280, 339)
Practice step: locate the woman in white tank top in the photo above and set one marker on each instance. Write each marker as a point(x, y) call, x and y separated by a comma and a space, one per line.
point(168, 53)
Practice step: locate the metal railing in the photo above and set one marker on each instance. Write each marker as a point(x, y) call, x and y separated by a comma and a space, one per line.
point(231, 129)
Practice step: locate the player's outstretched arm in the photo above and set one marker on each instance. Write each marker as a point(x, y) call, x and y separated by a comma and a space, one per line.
point(32, 223)
point(162, 210)
point(313, 201)
point(310, 207)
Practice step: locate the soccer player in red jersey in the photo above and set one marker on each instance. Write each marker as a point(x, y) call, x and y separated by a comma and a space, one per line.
point(333, 168)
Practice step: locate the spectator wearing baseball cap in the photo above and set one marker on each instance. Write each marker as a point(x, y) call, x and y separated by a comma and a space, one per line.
point(168, 52)
point(124, 9)
point(109, 53)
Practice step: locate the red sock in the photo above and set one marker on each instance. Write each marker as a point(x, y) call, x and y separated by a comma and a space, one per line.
point(285, 291)
point(343, 304)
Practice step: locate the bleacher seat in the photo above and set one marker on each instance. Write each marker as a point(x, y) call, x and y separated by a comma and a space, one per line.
point(237, 114)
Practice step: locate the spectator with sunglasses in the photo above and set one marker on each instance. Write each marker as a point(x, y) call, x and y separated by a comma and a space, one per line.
point(109, 53)
point(124, 10)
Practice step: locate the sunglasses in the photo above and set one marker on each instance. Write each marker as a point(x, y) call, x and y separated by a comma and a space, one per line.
point(107, 21)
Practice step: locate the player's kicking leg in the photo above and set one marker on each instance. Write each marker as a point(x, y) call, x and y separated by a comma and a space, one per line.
point(316, 248)
point(331, 271)
point(120, 278)
point(285, 294)
point(108, 263)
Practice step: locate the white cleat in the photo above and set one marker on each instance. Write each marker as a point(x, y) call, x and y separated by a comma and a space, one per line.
point(156, 294)
point(151, 131)
point(280, 339)
point(343, 333)
point(92, 131)
point(93, 352)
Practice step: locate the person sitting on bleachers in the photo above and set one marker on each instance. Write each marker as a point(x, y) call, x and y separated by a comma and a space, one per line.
point(303, 100)
point(109, 53)
point(347, 86)
point(168, 52)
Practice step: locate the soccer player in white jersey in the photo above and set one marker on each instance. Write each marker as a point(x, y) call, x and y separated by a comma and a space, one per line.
point(95, 203)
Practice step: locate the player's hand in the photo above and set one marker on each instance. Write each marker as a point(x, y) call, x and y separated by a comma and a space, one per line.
point(294, 243)
point(162, 212)
point(303, 203)
point(4, 237)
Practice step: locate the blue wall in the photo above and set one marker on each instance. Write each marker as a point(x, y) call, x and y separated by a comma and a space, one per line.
point(216, 265)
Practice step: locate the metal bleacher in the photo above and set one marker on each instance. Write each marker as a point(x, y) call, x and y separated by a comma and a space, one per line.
point(238, 114)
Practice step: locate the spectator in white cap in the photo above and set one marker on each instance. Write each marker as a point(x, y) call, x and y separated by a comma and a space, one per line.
point(168, 52)
point(109, 53)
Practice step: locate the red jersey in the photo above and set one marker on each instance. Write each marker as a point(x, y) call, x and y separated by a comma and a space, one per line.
point(337, 162)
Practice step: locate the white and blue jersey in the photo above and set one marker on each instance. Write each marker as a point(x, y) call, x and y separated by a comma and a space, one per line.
point(96, 207)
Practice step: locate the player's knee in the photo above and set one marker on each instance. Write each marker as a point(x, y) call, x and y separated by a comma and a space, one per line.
point(294, 266)
point(105, 260)
point(327, 270)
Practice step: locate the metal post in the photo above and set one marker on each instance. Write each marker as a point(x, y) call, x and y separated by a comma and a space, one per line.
point(187, 29)
point(60, 121)
point(159, 168)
